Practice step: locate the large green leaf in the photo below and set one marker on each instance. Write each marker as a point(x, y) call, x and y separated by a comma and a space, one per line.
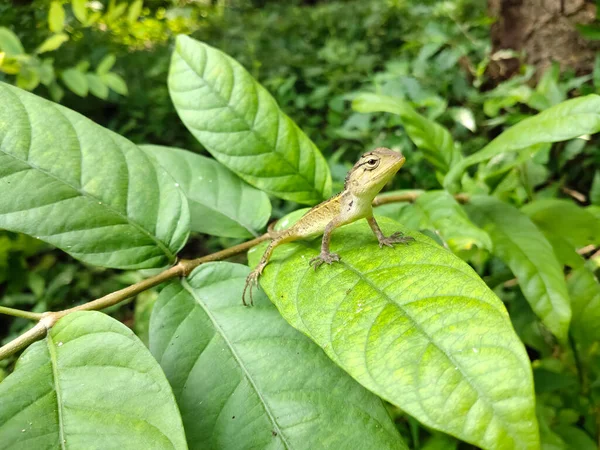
point(442, 212)
point(565, 219)
point(567, 120)
point(240, 124)
point(83, 188)
point(417, 326)
point(90, 384)
point(220, 203)
point(433, 139)
point(585, 297)
point(243, 378)
point(525, 249)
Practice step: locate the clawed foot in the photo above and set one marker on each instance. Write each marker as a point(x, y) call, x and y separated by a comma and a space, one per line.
point(324, 258)
point(251, 282)
point(396, 238)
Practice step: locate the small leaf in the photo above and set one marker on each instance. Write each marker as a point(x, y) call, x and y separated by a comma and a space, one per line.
point(567, 120)
point(80, 10)
point(89, 379)
point(412, 324)
point(220, 203)
point(97, 87)
point(115, 82)
point(56, 92)
point(56, 17)
point(46, 70)
point(52, 43)
point(10, 43)
point(134, 11)
point(243, 378)
point(442, 212)
point(28, 78)
point(84, 189)
point(106, 64)
point(76, 81)
point(434, 140)
point(240, 124)
point(519, 243)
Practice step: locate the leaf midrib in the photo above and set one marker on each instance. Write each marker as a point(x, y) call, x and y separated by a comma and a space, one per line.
point(59, 403)
point(237, 357)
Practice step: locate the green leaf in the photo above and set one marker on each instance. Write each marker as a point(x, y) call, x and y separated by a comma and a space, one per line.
point(565, 219)
point(135, 10)
point(523, 247)
point(80, 10)
point(97, 87)
point(220, 203)
point(90, 380)
point(567, 120)
point(412, 324)
point(433, 139)
point(595, 189)
point(585, 300)
point(240, 124)
point(56, 92)
point(442, 212)
point(10, 43)
point(76, 81)
point(28, 78)
point(115, 82)
point(106, 64)
point(52, 43)
point(84, 189)
point(56, 17)
point(243, 378)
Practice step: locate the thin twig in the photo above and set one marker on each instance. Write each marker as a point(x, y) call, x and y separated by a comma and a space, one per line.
point(34, 334)
point(181, 269)
point(20, 313)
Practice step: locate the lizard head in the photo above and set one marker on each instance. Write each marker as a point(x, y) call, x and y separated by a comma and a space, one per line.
point(372, 171)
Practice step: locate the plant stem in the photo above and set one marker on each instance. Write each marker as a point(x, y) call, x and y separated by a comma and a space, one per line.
point(34, 334)
point(411, 197)
point(19, 313)
point(182, 269)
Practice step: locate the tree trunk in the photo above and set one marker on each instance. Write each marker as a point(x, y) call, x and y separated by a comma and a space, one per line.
point(545, 30)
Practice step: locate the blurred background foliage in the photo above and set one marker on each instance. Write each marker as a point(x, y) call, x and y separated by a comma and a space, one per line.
point(109, 60)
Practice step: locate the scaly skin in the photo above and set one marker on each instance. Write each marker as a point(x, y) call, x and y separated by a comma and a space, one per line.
point(364, 181)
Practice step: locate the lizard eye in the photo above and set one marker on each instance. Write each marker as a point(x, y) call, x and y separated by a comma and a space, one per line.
point(372, 163)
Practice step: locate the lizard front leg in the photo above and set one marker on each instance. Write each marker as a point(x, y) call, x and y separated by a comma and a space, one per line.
point(396, 238)
point(326, 256)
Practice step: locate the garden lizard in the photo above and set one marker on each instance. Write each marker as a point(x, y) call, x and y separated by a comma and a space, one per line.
point(363, 182)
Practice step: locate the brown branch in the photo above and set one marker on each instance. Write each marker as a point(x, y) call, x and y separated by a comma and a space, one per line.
point(411, 197)
point(181, 269)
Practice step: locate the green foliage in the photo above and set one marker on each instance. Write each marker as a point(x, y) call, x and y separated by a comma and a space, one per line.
point(215, 97)
point(415, 325)
point(252, 399)
point(412, 324)
point(62, 390)
point(58, 188)
point(220, 203)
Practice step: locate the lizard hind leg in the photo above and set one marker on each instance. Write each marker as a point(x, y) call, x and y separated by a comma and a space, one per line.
point(251, 282)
